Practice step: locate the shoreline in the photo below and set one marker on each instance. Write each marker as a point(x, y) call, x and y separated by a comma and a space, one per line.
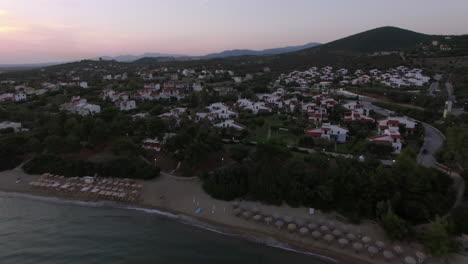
point(325, 255)
point(177, 199)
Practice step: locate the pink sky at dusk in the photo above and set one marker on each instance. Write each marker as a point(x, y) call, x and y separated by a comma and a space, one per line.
point(62, 30)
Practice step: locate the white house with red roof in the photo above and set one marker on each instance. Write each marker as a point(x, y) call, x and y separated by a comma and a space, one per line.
point(153, 144)
point(230, 123)
point(80, 106)
point(393, 124)
point(125, 105)
point(254, 107)
point(389, 137)
point(222, 111)
point(329, 132)
point(318, 116)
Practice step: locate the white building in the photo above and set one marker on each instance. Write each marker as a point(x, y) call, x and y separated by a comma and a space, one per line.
point(126, 105)
point(329, 132)
point(84, 85)
point(13, 125)
point(392, 138)
point(81, 107)
point(230, 124)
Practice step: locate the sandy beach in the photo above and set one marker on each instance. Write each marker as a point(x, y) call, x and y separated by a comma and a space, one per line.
point(183, 196)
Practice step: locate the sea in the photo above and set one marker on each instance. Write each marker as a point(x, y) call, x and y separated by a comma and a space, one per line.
point(36, 230)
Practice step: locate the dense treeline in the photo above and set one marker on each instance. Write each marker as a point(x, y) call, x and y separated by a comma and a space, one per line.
point(119, 168)
point(272, 174)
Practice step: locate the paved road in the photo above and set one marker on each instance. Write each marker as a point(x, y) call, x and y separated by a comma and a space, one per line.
point(434, 87)
point(433, 139)
point(451, 96)
point(433, 142)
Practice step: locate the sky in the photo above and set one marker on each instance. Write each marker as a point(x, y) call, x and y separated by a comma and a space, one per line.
point(33, 31)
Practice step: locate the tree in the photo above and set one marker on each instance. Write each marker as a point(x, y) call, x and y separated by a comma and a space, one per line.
point(395, 227)
point(124, 145)
point(438, 240)
point(460, 219)
point(238, 152)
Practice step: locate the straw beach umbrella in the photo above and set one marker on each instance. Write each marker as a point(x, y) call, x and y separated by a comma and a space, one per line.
point(246, 214)
point(351, 236)
point(312, 226)
point(292, 227)
point(303, 231)
point(372, 251)
point(276, 216)
point(279, 224)
point(237, 211)
point(329, 238)
point(343, 242)
point(421, 256)
point(287, 219)
point(268, 220)
point(366, 240)
point(410, 260)
point(300, 222)
point(316, 234)
point(257, 217)
point(388, 255)
point(337, 233)
point(380, 244)
point(255, 210)
point(357, 247)
point(398, 249)
point(324, 229)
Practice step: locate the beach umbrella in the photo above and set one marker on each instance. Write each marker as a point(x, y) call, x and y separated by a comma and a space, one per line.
point(372, 250)
point(357, 247)
point(255, 210)
point(257, 217)
point(303, 230)
point(300, 222)
point(388, 255)
point(332, 225)
point(268, 220)
point(351, 236)
point(292, 227)
point(235, 204)
point(324, 229)
point(276, 216)
point(287, 219)
point(279, 224)
point(329, 238)
point(421, 256)
point(343, 242)
point(246, 214)
point(316, 234)
point(312, 226)
point(398, 249)
point(337, 233)
point(366, 239)
point(380, 244)
point(237, 211)
point(410, 260)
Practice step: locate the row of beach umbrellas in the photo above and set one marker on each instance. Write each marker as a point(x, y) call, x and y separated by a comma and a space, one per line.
point(327, 233)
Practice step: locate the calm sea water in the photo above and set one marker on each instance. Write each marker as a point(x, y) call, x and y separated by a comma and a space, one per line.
point(45, 231)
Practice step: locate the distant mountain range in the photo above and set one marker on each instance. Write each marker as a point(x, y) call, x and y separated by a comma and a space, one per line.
point(244, 52)
point(131, 58)
point(223, 54)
